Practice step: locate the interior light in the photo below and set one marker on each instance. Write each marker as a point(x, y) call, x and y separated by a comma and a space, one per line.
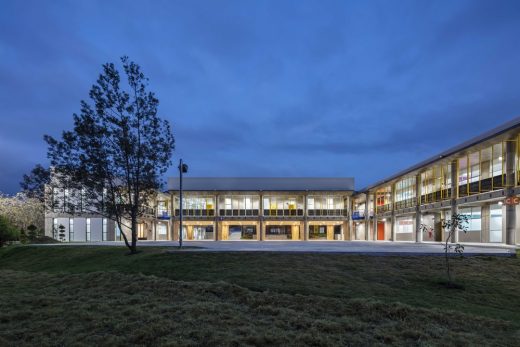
point(500, 203)
point(499, 158)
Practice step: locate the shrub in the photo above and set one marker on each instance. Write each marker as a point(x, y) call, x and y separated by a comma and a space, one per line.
point(7, 231)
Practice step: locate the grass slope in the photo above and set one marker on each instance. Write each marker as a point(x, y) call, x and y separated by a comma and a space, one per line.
point(89, 295)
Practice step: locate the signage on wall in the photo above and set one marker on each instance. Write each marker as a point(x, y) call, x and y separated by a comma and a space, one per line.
point(512, 200)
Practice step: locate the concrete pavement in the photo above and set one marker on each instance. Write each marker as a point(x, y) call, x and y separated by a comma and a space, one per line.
point(355, 247)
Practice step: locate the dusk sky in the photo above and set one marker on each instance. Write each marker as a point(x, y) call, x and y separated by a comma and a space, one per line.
point(357, 89)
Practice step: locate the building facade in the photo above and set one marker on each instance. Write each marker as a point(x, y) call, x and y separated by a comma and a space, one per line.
point(479, 178)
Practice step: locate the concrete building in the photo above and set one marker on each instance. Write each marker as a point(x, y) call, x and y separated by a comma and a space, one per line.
point(479, 178)
point(263, 208)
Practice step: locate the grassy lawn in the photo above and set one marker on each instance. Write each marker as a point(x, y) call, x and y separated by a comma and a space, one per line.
point(99, 295)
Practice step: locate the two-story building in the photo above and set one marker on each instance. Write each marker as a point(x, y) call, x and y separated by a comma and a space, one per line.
point(256, 209)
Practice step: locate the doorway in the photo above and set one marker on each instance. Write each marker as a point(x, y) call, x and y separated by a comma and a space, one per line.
point(380, 231)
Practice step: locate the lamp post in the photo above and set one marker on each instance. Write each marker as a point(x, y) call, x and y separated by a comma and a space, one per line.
point(183, 168)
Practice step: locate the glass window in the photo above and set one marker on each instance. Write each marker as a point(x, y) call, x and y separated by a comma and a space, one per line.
point(55, 228)
point(404, 225)
point(118, 232)
point(71, 229)
point(162, 208)
point(497, 159)
point(88, 230)
point(140, 231)
point(474, 218)
point(105, 231)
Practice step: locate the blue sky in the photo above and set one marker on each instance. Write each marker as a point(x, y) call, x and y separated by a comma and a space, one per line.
point(269, 88)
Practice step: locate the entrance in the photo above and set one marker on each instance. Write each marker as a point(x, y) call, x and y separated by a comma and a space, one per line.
point(380, 231)
point(242, 232)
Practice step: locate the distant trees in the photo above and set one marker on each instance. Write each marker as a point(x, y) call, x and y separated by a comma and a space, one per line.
point(116, 152)
point(23, 211)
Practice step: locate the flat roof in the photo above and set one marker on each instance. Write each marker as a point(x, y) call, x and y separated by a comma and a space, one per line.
point(262, 183)
point(502, 129)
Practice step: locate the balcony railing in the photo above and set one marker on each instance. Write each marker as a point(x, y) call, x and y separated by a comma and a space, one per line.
point(238, 212)
point(407, 203)
point(358, 215)
point(164, 214)
point(327, 212)
point(196, 212)
point(283, 213)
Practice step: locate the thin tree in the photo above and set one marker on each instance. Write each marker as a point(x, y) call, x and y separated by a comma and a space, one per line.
point(112, 160)
point(457, 223)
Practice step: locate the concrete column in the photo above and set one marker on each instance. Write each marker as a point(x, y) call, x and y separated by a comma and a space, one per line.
point(305, 216)
point(225, 232)
point(260, 236)
point(454, 188)
point(172, 217)
point(189, 232)
point(367, 218)
point(330, 232)
point(216, 218)
point(392, 220)
point(418, 221)
point(374, 224)
point(484, 223)
point(175, 234)
point(510, 183)
point(295, 232)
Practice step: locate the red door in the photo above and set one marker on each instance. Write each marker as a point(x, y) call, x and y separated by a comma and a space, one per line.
point(380, 230)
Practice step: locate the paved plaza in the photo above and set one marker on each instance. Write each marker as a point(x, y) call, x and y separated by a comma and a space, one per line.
point(355, 247)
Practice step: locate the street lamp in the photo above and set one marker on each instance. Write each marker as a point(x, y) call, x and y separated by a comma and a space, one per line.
point(183, 168)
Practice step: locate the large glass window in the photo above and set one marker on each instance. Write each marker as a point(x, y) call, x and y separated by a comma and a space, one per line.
point(405, 192)
point(239, 205)
point(278, 232)
point(404, 225)
point(162, 208)
point(474, 217)
point(495, 223)
point(196, 206)
point(323, 205)
point(280, 205)
point(202, 232)
point(317, 232)
point(242, 232)
point(162, 231)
